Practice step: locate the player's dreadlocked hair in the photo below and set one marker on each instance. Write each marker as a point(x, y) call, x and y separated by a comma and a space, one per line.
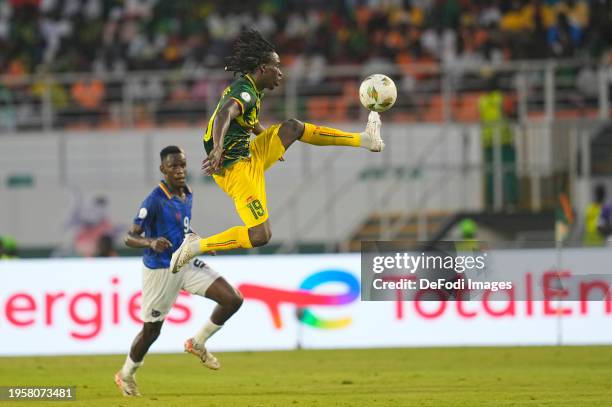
point(249, 52)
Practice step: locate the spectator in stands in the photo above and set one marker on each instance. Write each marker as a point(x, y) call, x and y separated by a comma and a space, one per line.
point(564, 37)
point(144, 34)
point(105, 247)
point(587, 85)
point(599, 29)
point(468, 229)
point(564, 213)
point(104, 36)
point(592, 234)
point(604, 223)
point(89, 95)
point(7, 111)
point(47, 86)
point(494, 128)
point(468, 236)
point(8, 247)
point(86, 225)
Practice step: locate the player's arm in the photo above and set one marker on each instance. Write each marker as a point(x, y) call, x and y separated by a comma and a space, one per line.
point(258, 128)
point(136, 240)
point(228, 112)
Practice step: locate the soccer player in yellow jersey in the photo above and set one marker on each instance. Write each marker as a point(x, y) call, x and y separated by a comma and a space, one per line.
point(238, 163)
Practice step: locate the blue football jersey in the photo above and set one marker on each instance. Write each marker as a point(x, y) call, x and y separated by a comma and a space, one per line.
point(164, 215)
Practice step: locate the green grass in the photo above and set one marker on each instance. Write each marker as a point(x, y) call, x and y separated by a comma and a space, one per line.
point(526, 376)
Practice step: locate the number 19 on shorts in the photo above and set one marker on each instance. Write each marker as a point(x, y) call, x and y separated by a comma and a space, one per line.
point(256, 208)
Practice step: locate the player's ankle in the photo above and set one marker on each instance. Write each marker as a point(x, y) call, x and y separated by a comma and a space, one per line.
point(365, 141)
point(196, 246)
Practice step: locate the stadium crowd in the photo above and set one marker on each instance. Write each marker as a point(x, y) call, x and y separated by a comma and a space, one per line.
point(119, 35)
point(175, 38)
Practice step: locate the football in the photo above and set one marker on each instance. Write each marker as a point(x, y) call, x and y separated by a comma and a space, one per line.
point(377, 93)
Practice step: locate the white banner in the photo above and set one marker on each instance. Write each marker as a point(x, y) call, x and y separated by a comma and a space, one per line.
point(86, 306)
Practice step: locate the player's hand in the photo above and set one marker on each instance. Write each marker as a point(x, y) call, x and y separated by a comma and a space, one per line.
point(160, 244)
point(214, 162)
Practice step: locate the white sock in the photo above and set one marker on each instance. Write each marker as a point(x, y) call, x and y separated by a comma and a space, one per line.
point(195, 246)
point(206, 332)
point(364, 141)
point(129, 367)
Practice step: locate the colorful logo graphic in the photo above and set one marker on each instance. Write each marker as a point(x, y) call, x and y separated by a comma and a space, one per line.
point(302, 298)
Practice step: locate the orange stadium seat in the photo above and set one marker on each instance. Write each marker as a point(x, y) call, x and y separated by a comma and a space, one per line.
point(110, 124)
point(434, 110)
point(466, 109)
point(176, 123)
point(318, 108)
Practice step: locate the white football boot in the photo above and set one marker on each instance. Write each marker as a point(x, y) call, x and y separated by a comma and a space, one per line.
point(207, 358)
point(127, 385)
point(370, 138)
point(183, 254)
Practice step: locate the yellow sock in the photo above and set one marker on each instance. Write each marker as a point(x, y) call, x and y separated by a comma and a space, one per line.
point(233, 238)
point(326, 136)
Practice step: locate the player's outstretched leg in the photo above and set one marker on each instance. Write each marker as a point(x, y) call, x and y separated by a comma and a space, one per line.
point(370, 138)
point(228, 301)
point(237, 237)
point(125, 379)
point(243, 237)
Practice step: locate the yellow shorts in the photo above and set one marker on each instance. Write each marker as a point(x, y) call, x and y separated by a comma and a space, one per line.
point(244, 181)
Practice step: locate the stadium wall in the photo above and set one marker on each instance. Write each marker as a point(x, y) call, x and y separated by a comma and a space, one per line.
point(318, 194)
point(91, 306)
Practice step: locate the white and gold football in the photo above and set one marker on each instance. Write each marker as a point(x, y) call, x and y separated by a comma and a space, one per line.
point(377, 93)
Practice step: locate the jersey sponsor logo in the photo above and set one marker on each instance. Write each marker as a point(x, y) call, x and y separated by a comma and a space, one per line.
point(142, 213)
point(245, 96)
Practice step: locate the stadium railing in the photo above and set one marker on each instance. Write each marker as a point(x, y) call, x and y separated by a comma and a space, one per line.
point(553, 89)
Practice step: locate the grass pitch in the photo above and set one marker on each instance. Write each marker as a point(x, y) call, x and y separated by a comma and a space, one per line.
point(526, 376)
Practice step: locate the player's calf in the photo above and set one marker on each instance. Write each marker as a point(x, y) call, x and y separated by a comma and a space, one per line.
point(326, 136)
point(145, 338)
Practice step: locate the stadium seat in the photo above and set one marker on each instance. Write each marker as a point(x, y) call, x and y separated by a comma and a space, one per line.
point(318, 108)
point(434, 110)
point(466, 110)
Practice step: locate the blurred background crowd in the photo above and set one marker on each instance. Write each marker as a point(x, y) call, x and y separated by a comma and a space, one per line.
point(524, 85)
point(416, 42)
point(120, 35)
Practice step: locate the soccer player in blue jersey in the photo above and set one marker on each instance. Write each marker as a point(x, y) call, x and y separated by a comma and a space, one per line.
point(161, 225)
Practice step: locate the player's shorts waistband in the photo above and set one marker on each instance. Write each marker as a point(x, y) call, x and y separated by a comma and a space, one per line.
point(161, 270)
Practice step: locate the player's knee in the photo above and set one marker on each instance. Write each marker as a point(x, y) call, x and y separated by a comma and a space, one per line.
point(261, 239)
point(293, 128)
point(236, 301)
point(260, 236)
